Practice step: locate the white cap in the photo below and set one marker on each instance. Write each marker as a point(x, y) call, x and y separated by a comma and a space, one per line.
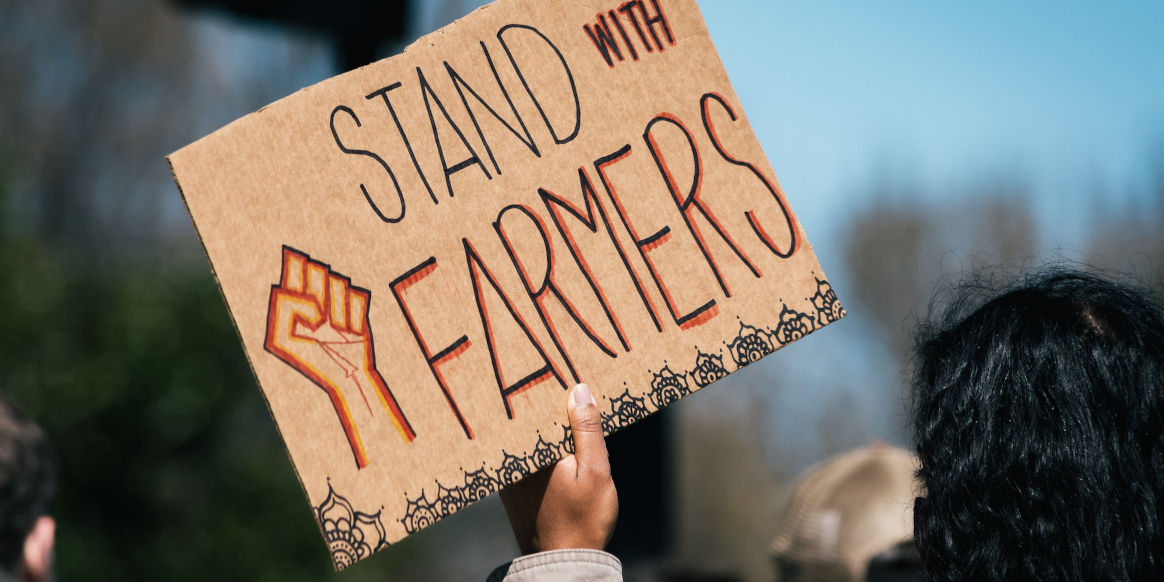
point(846, 510)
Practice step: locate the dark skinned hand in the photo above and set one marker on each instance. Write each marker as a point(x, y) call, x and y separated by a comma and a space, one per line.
point(573, 504)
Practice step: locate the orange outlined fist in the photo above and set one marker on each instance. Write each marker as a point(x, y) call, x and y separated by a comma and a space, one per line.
point(317, 323)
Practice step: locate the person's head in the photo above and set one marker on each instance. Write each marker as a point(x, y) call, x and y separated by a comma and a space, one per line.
point(28, 480)
point(848, 520)
point(1039, 423)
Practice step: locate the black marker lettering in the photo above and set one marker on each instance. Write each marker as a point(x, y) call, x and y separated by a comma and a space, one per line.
point(396, 217)
point(510, 28)
point(400, 287)
point(545, 284)
point(658, 19)
point(430, 97)
point(648, 244)
point(462, 87)
point(603, 40)
point(383, 93)
point(763, 234)
point(690, 202)
point(600, 166)
point(628, 8)
point(477, 271)
point(625, 39)
point(555, 204)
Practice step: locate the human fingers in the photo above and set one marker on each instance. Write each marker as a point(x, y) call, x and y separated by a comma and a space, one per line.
point(586, 426)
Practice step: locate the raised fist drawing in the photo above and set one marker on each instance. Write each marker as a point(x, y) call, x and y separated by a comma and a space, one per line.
point(317, 323)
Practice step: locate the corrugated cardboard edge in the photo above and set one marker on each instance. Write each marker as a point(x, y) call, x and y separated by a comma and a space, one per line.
point(238, 332)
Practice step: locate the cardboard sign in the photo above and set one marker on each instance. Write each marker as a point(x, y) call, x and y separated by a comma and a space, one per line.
point(423, 255)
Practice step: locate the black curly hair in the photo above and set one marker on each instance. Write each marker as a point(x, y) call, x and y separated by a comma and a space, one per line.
point(1039, 422)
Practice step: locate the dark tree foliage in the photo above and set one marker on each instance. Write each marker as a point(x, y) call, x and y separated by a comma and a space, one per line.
point(170, 462)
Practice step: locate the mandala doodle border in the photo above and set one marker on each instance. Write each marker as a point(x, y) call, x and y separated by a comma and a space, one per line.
point(668, 387)
point(625, 409)
point(708, 368)
point(793, 326)
point(828, 307)
point(421, 511)
point(751, 344)
point(347, 534)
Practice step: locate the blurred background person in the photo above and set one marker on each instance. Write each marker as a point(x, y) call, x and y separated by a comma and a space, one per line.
point(850, 519)
point(28, 484)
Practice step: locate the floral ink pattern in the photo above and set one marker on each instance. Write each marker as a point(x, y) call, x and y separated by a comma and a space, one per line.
point(667, 387)
point(625, 410)
point(751, 344)
point(708, 368)
point(351, 535)
point(793, 325)
point(422, 511)
point(828, 308)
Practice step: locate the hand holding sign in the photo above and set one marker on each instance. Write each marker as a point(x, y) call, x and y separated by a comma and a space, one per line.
point(338, 356)
point(572, 504)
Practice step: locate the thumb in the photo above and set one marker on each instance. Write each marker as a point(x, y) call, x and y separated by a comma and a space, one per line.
point(586, 426)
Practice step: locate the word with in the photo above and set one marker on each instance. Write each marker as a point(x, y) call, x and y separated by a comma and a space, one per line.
point(643, 22)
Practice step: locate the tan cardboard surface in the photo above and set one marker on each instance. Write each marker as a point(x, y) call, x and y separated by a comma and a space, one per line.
point(423, 254)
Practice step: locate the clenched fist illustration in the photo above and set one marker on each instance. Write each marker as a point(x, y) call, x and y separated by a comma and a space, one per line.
point(317, 323)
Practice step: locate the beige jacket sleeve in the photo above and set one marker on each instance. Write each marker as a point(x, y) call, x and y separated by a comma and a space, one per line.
point(561, 565)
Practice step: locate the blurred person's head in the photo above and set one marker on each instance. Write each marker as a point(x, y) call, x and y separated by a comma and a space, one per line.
point(848, 520)
point(27, 485)
point(1039, 423)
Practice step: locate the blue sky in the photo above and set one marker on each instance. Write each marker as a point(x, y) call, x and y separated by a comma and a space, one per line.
point(1067, 97)
point(1064, 98)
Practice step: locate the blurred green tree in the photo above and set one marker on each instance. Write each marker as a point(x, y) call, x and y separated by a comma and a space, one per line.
point(115, 337)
